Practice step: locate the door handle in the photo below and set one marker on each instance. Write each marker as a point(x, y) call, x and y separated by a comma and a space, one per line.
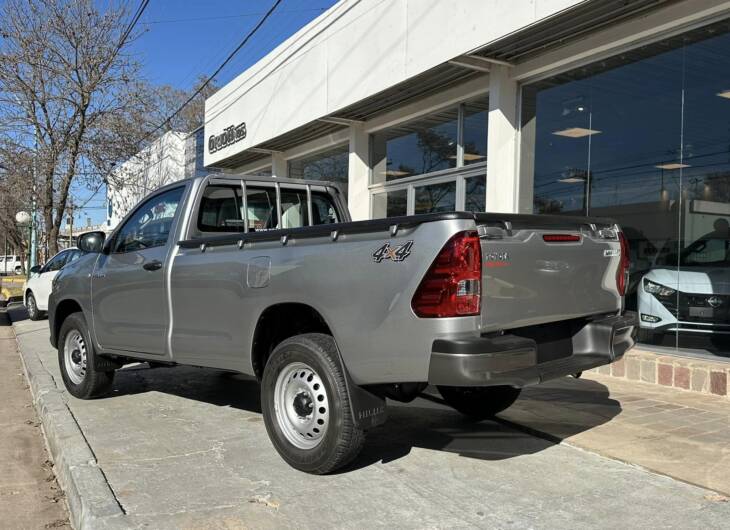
point(152, 265)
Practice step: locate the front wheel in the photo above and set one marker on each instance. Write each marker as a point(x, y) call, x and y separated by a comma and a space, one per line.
point(306, 407)
point(80, 369)
point(30, 303)
point(479, 402)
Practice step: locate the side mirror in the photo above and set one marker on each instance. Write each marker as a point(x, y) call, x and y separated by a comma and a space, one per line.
point(91, 242)
point(35, 269)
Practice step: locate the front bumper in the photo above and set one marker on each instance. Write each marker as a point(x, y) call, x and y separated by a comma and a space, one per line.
point(513, 360)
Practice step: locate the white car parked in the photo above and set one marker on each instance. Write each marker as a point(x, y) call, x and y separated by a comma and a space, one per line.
point(11, 265)
point(689, 292)
point(38, 287)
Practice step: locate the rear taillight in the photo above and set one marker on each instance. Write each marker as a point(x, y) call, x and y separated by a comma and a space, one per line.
point(452, 285)
point(622, 274)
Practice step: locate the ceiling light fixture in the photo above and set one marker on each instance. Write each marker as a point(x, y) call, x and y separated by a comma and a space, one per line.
point(572, 180)
point(672, 165)
point(576, 132)
point(724, 94)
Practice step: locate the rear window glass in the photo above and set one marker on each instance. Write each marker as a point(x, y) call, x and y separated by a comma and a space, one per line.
point(222, 209)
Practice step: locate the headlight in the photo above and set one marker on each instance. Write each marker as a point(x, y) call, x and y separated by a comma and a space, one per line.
point(658, 289)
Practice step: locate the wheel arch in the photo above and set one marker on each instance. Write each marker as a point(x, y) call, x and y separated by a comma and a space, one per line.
point(63, 309)
point(279, 322)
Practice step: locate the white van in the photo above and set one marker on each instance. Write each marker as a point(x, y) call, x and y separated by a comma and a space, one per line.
point(11, 265)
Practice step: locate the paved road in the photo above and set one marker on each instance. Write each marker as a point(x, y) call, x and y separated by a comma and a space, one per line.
point(186, 447)
point(29, 495)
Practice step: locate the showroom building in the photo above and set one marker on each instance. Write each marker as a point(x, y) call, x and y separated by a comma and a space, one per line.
point(617, 108)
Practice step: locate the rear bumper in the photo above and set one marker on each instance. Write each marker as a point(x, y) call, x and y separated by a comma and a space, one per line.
point(512, 360)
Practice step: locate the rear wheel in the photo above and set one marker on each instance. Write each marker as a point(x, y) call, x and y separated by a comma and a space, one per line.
point(479, 402)
point(78, 361)
point(30, 303)
point(306, 407)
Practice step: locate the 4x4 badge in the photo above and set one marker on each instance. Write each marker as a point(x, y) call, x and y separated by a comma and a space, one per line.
point(397, 253)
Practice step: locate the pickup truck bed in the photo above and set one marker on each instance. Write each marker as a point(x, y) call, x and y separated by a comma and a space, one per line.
point(477, 304)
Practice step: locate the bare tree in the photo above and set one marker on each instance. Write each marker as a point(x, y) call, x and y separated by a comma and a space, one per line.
point(65, 76)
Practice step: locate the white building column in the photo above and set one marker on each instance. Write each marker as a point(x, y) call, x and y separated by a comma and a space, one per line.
point(278, 165)
point(358, 173)
point(506, 193)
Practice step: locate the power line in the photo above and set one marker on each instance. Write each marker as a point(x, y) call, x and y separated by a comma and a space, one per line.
point(218, 70)
point(226, 17)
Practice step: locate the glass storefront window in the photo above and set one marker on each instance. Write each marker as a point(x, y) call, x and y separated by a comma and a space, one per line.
point(436, 198)
point(425, 161)
point(476, 194)
point(331, 165)
point(643, 138)
point(416, 148)
point(475, 132)
point(390, 204)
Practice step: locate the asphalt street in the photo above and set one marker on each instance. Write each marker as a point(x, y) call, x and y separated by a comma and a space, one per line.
point(186, 447)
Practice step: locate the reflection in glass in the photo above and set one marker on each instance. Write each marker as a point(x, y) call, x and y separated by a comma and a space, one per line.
point(643, 138)
point(331, 165)
point(475, 131)
point(415, 148)
point(390, 204)
point(476, 198)
point(436, 198)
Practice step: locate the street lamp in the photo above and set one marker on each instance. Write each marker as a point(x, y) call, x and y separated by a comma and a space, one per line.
point(24, 219)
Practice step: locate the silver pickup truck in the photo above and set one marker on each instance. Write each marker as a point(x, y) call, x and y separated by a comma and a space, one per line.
point(270, 278)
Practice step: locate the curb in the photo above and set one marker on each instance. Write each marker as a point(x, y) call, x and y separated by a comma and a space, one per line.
point(91, 502)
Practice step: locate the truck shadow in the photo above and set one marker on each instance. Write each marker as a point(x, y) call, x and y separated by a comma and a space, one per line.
point(541, 418)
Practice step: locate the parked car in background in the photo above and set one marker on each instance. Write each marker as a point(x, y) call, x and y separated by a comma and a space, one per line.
point(38, 287)
point(11, 264)
point(689, 292)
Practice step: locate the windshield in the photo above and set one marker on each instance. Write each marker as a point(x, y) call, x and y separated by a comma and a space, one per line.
point(708, 250)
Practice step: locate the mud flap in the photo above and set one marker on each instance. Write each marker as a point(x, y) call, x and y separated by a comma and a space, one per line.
point(368, 410)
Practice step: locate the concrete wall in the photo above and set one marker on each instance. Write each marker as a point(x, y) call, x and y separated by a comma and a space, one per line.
point(354, 50)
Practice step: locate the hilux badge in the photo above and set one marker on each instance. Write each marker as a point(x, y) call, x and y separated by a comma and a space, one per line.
point(394, 253)
point(611, 253)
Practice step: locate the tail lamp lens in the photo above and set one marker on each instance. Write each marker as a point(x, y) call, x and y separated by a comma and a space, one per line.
point(622, 274)
point(452, 285)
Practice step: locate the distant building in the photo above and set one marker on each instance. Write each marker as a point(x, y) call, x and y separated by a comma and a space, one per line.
point(173, 156)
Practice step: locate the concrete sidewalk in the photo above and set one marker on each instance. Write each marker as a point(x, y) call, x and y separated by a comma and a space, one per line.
point(186, 447)
point(680, 434)
point(29, 494)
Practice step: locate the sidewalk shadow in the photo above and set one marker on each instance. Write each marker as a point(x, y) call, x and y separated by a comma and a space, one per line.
point(425, 423)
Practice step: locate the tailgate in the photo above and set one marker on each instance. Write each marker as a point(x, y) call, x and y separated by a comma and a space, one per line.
point(539, 269)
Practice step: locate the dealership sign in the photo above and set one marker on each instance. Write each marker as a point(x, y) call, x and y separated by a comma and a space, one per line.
point(230, 135)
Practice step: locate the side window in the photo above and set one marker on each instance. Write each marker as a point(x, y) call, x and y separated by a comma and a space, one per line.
point(293, 209)
point(260, 208)
point(73, 256)
point(221, 209)
point(57, 261)
point(323, 211)
point(150, 224)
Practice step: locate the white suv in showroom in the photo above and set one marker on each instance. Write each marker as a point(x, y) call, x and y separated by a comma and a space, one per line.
point(687, 292)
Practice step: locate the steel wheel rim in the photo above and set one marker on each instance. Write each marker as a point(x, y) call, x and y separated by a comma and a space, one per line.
point(301, 405)
point(75, 356)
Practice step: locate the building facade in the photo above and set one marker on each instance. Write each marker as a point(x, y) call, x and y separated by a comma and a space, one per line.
point(595, 107)
point(162, 162)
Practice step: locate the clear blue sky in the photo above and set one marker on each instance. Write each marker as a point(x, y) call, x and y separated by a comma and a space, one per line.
point(182, 39)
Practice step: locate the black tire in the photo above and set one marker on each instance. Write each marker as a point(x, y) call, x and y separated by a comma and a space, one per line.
point(18, 270)
point(479, 402)
point(32, 306)
point(341, 441)
point(95, 382)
